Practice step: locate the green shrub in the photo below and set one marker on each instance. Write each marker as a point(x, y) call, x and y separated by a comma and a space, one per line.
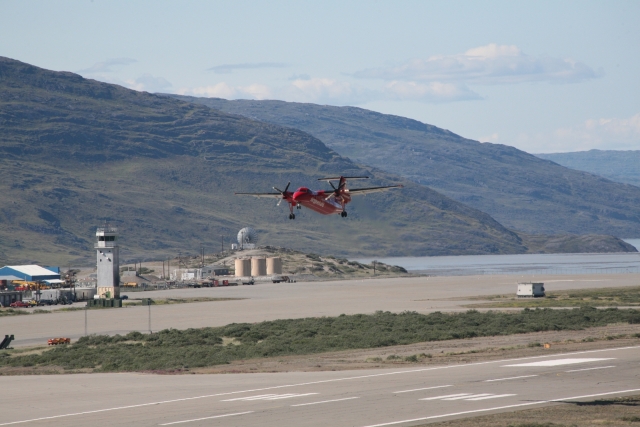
point(178, 349)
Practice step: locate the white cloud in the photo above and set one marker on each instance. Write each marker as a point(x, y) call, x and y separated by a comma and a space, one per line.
point(148, 83)
point(107, 66)
point(603, 134)
point(490, 64)
point(325, 90)
point(494, 137)
point(223, 90)
point(337, 92)
point(430, 92)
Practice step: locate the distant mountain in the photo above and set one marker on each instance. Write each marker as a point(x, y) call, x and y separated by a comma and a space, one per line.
point(619, 166)
point(520, 190)
point(74, 152)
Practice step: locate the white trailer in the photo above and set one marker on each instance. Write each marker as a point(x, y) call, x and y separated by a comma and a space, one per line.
point(530, 290)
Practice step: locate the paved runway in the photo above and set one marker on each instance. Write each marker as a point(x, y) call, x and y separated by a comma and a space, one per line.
point(402, 397)
point(268, 301)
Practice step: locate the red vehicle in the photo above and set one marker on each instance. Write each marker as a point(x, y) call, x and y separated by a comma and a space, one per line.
point(322, 201)
point(19, 304)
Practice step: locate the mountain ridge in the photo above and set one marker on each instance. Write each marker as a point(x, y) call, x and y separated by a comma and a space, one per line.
point(617, 165)
point(518, 189)
point(77, 152)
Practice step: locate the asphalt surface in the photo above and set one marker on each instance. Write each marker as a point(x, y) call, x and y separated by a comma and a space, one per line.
point(269, 301)
point(402, 397)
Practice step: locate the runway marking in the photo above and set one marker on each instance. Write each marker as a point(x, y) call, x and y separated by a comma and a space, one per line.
point(466, 365)
point(206, 418)
point(420, 389)
point(468, 396)
point(326, 401)
point(446, 395)
point(501, 407)
point(591, 369)
point(510, 378)
point(268, 397)
point(494, 396)
point(558, 362)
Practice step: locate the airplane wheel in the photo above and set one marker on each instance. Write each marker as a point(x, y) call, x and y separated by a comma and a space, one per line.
point(345, 214)
point(293, 216)
point(290, 215)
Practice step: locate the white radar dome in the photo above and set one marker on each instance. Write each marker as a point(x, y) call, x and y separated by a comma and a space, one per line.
point(247, 236)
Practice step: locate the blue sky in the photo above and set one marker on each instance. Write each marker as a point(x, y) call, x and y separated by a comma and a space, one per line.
point(541, 76)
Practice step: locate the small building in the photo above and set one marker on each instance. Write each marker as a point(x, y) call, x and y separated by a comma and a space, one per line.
point(7, 297)
point(214, 270)
point(29, 273)
point(530, 290)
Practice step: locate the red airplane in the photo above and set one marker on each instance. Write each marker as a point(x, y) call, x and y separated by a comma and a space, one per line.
point(321, 201)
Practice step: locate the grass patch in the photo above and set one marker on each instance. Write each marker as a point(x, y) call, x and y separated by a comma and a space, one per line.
point(12, 312)
point(167, 301)
point(175, 349)
point(607, 297)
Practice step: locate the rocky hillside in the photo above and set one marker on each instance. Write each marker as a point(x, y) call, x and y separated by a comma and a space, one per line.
point(77, 152)
point(522, 191)
point(619, 166)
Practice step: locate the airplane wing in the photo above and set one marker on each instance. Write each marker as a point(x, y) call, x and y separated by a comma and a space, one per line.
point(276, 195)
point(357, 191)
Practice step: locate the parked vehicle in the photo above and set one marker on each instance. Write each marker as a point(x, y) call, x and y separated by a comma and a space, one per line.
point(285, 279)
point(124, 296)
point(48, 302)
point(56, 341)
point(19, 304)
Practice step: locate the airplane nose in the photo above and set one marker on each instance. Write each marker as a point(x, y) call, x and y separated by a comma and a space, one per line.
point(297, 195)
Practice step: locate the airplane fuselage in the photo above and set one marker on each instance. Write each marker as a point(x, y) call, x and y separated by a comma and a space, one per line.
point(320, 202)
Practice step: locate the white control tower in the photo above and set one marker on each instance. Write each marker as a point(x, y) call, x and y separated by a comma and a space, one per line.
point(108, 262)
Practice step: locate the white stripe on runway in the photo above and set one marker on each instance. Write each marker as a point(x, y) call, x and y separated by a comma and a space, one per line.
point(268, 397)
point(433, 417)
point(510, 378)
point(409, 371)
point(420, 389)
point(468, 396)
point(557, 362)
point(446, 395)
point(590, 369)
point(206, 418)
point(494, 396)
point(326, 401)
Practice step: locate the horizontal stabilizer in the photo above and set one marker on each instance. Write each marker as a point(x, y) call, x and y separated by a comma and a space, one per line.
point(337, 178)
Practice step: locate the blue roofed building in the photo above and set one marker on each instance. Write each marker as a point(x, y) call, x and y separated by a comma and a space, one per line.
point(29, 273)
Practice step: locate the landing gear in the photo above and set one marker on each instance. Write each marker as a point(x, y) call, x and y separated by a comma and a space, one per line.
point(298, 206)
point(343, 214)
point(292, 216)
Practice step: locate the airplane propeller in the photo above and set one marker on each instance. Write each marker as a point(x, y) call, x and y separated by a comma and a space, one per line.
point(282, 192)
point(336, 191)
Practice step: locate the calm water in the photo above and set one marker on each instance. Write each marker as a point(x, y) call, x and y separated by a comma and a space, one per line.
point(521, 264)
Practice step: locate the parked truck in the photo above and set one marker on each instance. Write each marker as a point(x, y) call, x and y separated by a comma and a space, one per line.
point(285, 279)
point(530, 290)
